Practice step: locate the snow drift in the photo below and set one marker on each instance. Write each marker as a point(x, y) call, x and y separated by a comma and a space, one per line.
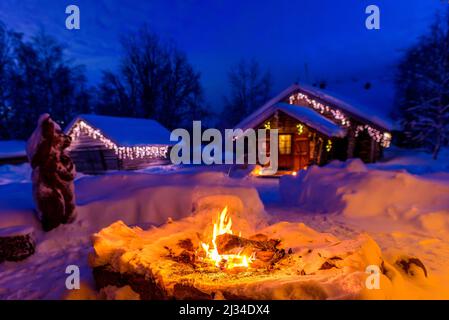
point(137, 198)
point(352, 190)
point(143, 199)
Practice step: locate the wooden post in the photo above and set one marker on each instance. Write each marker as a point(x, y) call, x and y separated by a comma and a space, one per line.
point(372, 155)
point(351, 143)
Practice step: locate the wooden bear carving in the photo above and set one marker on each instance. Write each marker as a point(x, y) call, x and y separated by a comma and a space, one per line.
point(53, 174)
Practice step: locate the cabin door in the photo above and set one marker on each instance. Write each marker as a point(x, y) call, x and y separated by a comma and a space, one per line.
point(285, 152)
point(301, 152)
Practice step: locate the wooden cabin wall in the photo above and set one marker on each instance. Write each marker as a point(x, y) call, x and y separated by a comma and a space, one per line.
point(94, 161)
point(367, 149)
point(83, 141)
point(91, 156)
point(309, 147)
point(340, 149)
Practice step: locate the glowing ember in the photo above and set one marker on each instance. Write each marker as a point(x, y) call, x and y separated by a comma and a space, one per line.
point(228, 261)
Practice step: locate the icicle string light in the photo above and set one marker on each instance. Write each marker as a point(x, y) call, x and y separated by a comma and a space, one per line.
point(384, 138)
point(376, 135)
point(137, 152)
point(321, 108)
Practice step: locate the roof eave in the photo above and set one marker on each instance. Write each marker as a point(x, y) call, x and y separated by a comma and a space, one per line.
point(284, 94)
point(120, 145)
point(341, 133)
point(360, 118)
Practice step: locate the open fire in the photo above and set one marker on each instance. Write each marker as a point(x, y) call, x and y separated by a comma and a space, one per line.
point(185, 260)
point(223, 226)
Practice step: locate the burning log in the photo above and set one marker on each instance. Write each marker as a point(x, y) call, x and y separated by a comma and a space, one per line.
point(228, 242)
point(264, 250)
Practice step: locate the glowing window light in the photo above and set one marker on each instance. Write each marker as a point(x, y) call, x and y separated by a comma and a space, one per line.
point(386, 140)
point(137, 152)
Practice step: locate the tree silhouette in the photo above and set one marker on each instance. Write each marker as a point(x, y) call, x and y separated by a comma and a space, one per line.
point(155, 81)
point(250, 87)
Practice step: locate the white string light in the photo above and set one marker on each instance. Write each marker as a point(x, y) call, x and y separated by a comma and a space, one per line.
point(137, 152)
point(321, 108)
point(384, 138)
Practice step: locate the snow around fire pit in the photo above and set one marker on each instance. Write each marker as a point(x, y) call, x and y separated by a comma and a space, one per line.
point(157, 263)
point(149, 199)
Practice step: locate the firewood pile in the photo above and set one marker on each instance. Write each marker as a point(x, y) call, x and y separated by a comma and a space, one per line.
point(16, 243)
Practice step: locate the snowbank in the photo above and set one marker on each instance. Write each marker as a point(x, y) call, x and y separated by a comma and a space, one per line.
point(353, 190)
point(145, 199)
point(414, 161)
point(15, 174)
point(136, 198)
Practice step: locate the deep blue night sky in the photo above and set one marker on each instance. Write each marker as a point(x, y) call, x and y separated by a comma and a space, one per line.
point(327, 35)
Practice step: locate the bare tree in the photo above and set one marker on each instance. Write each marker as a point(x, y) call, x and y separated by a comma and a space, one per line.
point(155, 81)
point(250, 87)
point(8, 39)
point(112, 97)
point(36, 78)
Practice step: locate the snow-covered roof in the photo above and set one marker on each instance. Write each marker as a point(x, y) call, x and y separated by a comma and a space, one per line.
point(345, 104)
point(127, 132)
point(362, 113)
point(312, 119)
point(303, 114)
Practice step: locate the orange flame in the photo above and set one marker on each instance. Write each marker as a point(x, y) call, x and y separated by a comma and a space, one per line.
point(223, 226)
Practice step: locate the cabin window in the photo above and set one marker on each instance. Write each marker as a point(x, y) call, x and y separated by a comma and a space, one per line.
point(285, 144)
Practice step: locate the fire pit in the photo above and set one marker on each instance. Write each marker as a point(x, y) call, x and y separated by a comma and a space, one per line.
point(204, 257)
point(228, 251)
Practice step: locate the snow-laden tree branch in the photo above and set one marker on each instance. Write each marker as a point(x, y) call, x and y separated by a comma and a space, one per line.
point(423, 90)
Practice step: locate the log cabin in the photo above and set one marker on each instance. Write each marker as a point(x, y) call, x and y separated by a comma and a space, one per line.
point(315, 128)
point(104, 143)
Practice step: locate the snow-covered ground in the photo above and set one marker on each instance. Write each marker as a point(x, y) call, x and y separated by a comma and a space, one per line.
point(403, 204)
